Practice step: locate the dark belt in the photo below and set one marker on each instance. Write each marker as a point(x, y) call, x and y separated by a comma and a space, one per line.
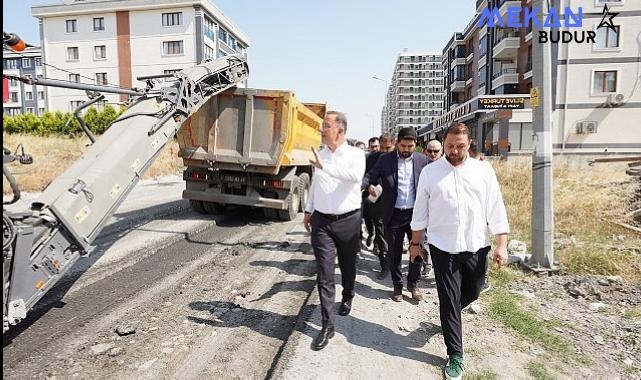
point(338, 217)
point(403, 209)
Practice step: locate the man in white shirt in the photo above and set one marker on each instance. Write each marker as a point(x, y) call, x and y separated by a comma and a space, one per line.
point(457, 200)
point(333, 215)
point(433, 151)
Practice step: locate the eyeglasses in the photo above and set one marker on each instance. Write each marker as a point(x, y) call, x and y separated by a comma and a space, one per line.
point(432, 150)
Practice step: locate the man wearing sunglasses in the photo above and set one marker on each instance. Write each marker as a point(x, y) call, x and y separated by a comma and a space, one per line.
point(433, 151)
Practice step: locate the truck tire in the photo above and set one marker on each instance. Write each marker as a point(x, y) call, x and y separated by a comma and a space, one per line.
point(293, 203)
point(213, 208)
point(197, 206)
point(303, 190)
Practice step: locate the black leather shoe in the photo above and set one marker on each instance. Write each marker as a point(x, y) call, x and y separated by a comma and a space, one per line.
point(322, 339)
point(345, 308)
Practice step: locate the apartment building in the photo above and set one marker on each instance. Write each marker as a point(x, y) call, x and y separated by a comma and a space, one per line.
point(488, 79)
point(114, 42)
point(24, 98)
point(414, 96)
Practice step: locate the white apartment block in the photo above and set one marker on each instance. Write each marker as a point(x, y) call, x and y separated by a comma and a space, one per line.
point(415, 95)
point(24, 98)
point(115, 41)
point(598, 86)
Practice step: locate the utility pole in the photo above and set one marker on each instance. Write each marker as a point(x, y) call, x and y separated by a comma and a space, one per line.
point(383, 127)
point(542, 190)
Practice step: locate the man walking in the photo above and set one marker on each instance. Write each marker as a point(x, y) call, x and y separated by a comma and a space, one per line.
point(398, 172)
point(333, 216)
point(373, 148)
point(386, 144)
point(457, 200)
point(433, 151)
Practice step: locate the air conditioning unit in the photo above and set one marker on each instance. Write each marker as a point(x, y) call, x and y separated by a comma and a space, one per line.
point(616, 99)
point(586, 127)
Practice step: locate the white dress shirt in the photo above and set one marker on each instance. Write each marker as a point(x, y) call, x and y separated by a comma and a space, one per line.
point(457, 205)
point(406, 193)
point(336, 188)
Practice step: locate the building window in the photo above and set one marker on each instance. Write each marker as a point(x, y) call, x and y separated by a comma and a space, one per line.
point(14, 96)
point(606, 38)
point(41, 95)
point(604, 82)
point(101, 78)
point(74, 78)
point(26, 62)
point(100, 52)
point(99, 24)
point(41, 111)
point(72, 54)
point(29, 110)
point(74, 104)
point(209, 53)
point(13, 82)
point(72, 26)
point(222, 35)
point(172, 48)
point(172, 19)
point(11, 63)
point(221, 54)
point(38, 61)
point(232, 42)
point(28, 95)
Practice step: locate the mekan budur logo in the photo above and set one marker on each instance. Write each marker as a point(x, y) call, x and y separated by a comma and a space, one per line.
point(570, 19)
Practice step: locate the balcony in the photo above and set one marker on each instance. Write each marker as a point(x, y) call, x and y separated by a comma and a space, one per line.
point(469, 81)
point(528, 33)
point(458, 61)
point(528, 70)
point(469, 56)
point(506, 45)
point(507, 75)
point(505, 4)
point(457, 86)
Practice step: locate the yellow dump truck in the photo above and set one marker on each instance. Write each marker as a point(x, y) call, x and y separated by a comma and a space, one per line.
point(250, 147)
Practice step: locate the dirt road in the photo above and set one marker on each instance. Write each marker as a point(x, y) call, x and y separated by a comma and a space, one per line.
point(209, 296)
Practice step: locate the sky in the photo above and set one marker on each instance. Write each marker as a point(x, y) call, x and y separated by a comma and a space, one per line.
point(325, 51)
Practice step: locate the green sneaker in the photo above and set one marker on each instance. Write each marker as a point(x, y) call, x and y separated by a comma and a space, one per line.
point(454, 367)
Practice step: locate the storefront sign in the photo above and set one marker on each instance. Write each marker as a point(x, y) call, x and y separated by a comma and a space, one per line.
point(534, 97)
point(497, 103)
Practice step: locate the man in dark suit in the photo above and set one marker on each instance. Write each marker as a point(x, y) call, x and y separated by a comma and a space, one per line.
point(398, 173)
point(375, 210)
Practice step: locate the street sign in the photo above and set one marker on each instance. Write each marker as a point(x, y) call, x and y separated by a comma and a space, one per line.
point(534, 97)
point(501, 102)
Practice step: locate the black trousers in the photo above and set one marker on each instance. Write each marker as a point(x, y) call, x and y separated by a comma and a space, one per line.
point(395, 232)
point(332, 237)
point(367, 217)
point(459, 280)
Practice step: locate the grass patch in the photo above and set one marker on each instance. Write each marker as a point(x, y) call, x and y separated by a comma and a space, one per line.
point(482, 375)
point(585, 198)
point(503, 276)
point(54, 154)
point(504, 308)
point(538, 371)
point(632, 314)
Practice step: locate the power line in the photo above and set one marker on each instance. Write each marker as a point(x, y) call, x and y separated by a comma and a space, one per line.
point(67, 71)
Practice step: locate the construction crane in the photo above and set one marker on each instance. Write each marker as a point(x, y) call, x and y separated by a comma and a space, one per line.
point(41, 243)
